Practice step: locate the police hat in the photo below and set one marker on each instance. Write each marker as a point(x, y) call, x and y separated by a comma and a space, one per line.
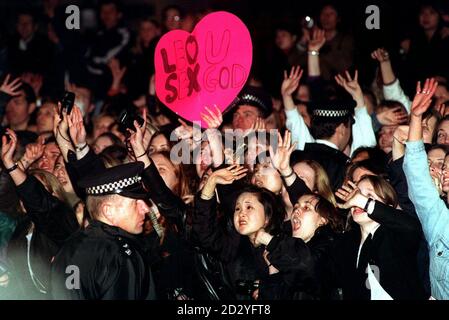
point(256, 97)
point(333, 110)
point(124, 180)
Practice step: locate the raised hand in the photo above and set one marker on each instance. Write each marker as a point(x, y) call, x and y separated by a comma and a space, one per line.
point(60, 126)
point(391, 117)
point(8, 148)
point(184, 131)
point(351, 85)
point(117, 72)
point(213, 120)
point(258, 125)
point(33, 152)
point(136, 138)
point(228, 175)
point(423, 98)
point(11, 88)
point(347, 191)
point(317, 41)
point(380, 55)
point(281, 159)
point(291, 81)
point(76, 127)
point(354, 199)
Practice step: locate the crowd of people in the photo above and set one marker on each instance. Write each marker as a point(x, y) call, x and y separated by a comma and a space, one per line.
point(327, 190)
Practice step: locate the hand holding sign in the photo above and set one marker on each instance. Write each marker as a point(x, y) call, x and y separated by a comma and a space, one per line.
point(206, 67)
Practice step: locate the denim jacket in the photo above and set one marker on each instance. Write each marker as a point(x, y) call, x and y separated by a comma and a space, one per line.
point(432, 213)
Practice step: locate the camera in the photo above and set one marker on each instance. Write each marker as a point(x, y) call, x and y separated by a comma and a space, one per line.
point(67, 102)
point(126, 121)
point(307, 22)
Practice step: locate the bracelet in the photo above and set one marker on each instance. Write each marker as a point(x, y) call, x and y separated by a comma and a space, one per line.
point(14, 167)
point(313, 52)
point(82, 148)
point(367, 205)
point(289, 175)
point(63, 136)
point(143, 154)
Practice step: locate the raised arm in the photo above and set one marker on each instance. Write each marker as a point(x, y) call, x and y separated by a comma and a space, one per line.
point(391, 88)
point(362, 130)
point(295, 122)
point(205, 229)
point(313, 61)
point(214, 121)
point(430, 208)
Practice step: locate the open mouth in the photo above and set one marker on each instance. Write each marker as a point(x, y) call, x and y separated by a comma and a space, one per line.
point(296, 223)
point(243, 223)
point(357, 211)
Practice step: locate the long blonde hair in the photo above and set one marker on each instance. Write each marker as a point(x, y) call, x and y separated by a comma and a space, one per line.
point(322, 184)
point(51, 183)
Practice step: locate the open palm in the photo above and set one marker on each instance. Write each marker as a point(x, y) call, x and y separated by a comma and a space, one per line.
point(291, 81)
point(423, 98)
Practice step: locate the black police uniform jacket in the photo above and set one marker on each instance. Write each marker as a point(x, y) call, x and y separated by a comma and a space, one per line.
point(333, 161)
point(110, 265)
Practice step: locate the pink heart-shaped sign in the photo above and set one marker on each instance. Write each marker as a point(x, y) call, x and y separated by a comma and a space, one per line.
point(204, 68)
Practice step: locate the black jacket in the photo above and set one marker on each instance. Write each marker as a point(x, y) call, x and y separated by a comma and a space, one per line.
point(239, 264)
point(333, 161)
point(109, 263)
point(392, 251)
point(306, 270)
point(53, 222)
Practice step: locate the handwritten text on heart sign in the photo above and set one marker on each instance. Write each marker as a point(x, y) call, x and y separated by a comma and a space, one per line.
point(207, 67)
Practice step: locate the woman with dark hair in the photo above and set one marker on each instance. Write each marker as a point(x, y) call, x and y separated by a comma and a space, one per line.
point(428, 48)
point(382, 250)
point(234, 246)
point(300, 265)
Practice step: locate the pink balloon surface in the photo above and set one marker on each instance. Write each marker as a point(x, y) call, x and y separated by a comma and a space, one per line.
point(204, 68)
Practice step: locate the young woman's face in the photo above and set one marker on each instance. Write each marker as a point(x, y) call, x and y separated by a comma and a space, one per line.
point(265, 176)
point(249, 214)
point(386, 138)
point(61, 174)
point(306, 173)
point(204, 159)
point(435, 158)
point(285, 40)
point(148, 31)
point(358, 214)
point(102, 143)
point(428, 18)
point(443, 133)
point(305, 220)
point(166, 170)
point(159, 143)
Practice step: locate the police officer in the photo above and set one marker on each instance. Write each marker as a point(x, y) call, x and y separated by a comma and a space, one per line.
point(331, 126)
point(104, 261)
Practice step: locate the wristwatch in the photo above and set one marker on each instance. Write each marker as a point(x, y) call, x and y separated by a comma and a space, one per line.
point(369, 206)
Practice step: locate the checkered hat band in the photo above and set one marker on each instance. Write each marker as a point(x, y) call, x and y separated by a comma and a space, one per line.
point(108, 187)
point(330, 113)
point(256, 100)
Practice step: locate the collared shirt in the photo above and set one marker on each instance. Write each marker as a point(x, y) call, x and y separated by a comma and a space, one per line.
point(362, 130)
point(376, 289)
point(327, 143)
point(433, 215)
